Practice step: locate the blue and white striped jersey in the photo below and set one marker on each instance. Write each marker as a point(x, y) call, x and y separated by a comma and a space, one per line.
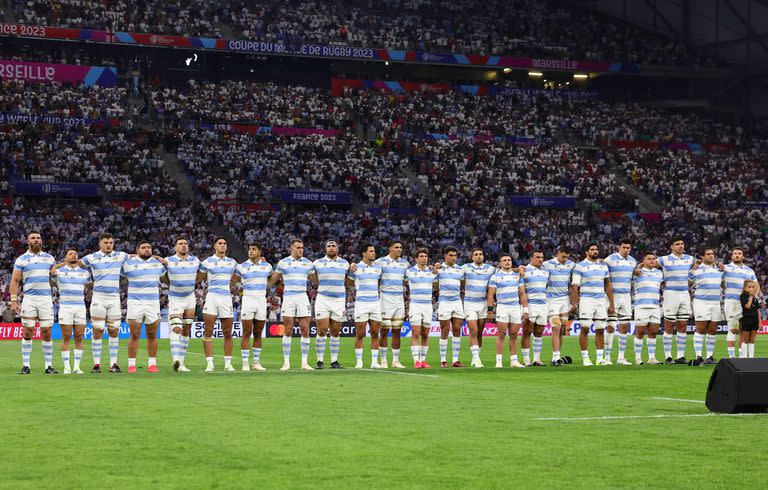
point(254, 277)
point(393, 275)
point(559, 277)
point(295, 273)
point(35, 273)
point(367, 278)
point(507, 286)
point(105, 269)
point(476, 279)
point(647, 287)
point(219, 272)
point(590, 277)
point(420, 283)
point(71, 282)
point(620, 270)
point(675, 271)
point(707, 283)
point(449, 282)
point(181, 275)
point(735, 275)
point(143, 278)
point(535, 280)
point(330, 277)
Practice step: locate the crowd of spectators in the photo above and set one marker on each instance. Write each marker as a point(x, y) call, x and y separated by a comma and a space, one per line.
point(124, 161)
point(61, 99)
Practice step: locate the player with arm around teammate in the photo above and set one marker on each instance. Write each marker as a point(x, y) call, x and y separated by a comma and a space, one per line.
point(367, 281)
point(477, 275)
point(707, 280)
point(506, 301)
point(72, 281)
point(559, 268)
point(330, 274)
point(621, 266)
point(421, 278)
point(181, 271)
point(592, 294)
point(647, 291)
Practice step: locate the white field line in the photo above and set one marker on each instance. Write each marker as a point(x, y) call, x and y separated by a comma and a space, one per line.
point(675, 399)
point(660, 416)
point(400, 373)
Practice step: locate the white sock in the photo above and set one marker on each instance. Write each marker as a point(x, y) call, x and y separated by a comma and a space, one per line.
point(287, 348)
point(257, 355)
point(26, 351)
point(698, 343)
point(335, 346)
point(383, 353)
point(456, 348)
point(175, 345)
point(599, 353)
point(443, 350)
point(359, 354)
point(395, 355)
point(78, 357)
point(183, 346)
point(538, 342)
point(65, 358)
point(622, 345)
point(114, 346)
point(651, 344)
point(131, 362)
point(499, 357)
point(711, 341)
point(585, 354)
point(227, 360)
point(304, 342)
point(424, 350)
point(48, 353)
point(526, 356)
point(609, 344)
point(475, 350)
point(152, 361)
point(743, 350)
point(639, 348)
point(751, 350)
point(416, 353)
point(246, 355)
point(682, 340)
point(374, 355)
point(555, 355)
point(320, 348)
point(96, 345)
point(209, 360)
point(667, 338)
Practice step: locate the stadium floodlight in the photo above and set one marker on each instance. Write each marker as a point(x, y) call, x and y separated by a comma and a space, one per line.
point(580, 76)
point(507, 70)
point(535, 74)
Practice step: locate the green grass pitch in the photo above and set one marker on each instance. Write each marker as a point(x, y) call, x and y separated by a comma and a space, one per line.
point(444, 428)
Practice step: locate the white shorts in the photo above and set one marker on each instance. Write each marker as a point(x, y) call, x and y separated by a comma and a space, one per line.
point(71, 315)
point(392, 307)
point(706, 311)
point(106, 308)
point(333, 308)
point(367, 311)
point(733, 310)
point(220, 306)
point(476, 310)
point(648, 316)
point(622, 303)
point(450, 309)
point(177, 305)
point(592, 309)
point(512, 315)
point(40, 307)
point(676, 306)
point(538, 314)
point(420, 314)
point(143, 312)
point(254, 308)
point(296, 306)
point(559, 307)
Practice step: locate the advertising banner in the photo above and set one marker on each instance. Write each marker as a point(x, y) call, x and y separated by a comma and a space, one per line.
point(50, 72)
point(56, 189)
point(560, 202)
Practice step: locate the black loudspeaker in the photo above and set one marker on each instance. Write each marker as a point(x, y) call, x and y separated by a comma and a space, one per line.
point(739, 385)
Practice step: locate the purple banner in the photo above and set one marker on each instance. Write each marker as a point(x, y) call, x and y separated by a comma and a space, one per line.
point(50, 72)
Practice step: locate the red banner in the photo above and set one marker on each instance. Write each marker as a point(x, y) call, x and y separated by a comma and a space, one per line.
point(14, 331)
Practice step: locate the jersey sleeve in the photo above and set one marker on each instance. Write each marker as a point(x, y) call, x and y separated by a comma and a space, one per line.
point(576, 276)
point(203, 267)
point(238, 270)
point(20, 263)
point(493, 282)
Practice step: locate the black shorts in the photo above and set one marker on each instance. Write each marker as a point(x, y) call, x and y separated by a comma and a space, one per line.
point(749, 326)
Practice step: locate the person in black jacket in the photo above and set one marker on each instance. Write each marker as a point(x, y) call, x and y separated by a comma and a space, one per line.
point(751, 320)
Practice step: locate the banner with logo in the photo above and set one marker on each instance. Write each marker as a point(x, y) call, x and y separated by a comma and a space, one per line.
point(68, 122)
point(307, 196)
point(312, 50)
point(560, 202)
point(51, 72)
point(56, 189)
